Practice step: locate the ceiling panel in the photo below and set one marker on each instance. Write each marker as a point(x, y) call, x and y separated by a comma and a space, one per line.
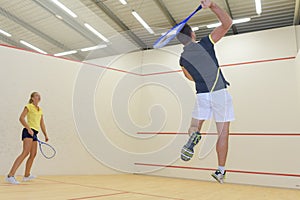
point(277, 13)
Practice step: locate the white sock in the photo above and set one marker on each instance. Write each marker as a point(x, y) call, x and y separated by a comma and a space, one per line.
point(222, 169)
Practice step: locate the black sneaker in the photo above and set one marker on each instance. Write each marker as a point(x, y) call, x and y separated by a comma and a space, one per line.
point(187, 150)
point(219, 176)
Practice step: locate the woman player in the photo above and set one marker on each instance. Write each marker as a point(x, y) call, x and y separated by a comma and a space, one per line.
point(33, 123)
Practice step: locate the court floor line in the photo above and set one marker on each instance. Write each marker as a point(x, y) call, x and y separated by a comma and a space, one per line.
point(12, 185)
point(97, 196)
point(232, 134)
point(81, 185)
point(111, 189)
point(213, 169)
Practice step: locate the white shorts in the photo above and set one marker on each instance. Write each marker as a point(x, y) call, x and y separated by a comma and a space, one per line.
point(217, 105)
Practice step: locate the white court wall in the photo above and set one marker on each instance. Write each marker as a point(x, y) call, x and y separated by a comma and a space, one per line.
point(22, 72)
point(297, 63)
point(266, 101)
point(297, 28)
point(120, 104)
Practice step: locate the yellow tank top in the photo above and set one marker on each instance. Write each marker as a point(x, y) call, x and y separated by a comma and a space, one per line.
point(34, 116)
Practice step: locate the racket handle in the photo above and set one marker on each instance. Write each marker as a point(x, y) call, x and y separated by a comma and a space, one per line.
point(199, 8)
point(35, 137)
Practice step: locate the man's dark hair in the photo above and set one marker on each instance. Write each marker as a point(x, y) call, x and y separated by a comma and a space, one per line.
point(185, 35)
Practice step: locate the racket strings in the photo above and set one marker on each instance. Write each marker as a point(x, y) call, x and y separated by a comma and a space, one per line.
point(166, 38)
point(47, 151)
point(170, 35)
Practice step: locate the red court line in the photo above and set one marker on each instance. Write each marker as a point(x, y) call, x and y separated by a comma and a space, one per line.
point(110, 68)
point(258, 61)
point(152, 195)
point(162, 133)
point(32, 51)
point(69, 59)
point(150, 74)
point(230, 65)
point(213, 169)
point(111, 189)
point(103, 195)
point(160, 73)
point(233, 134)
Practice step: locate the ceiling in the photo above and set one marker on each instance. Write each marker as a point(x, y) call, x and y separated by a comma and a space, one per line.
point(36, 22)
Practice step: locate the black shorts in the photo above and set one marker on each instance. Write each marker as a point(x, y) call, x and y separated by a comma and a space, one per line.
point(25, 134)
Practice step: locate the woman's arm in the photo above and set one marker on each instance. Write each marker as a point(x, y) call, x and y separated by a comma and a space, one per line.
point(23, 121)
point(43, 127)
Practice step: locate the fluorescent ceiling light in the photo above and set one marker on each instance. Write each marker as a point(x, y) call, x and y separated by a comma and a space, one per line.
point(59, 17)
point(64, 8)
point(214, 25)
point(195, 28)
point(65, 53)
point(145, 25)
point(258, 7)
point(235, 21)
point(242, 20)
point(94, 47)
point(5, 33)
point(32, 47)
point(93, 30)
point(124, 2)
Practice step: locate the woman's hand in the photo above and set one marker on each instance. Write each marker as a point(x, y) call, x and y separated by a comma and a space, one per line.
point(30, 131)
point(46, 138)
point(206, 3)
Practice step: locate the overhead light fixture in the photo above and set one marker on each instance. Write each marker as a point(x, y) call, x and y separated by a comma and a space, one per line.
point(242, 20)
point(144, 24)
point(94, 47)
point(235, 21)
point(93, 30)
point(258, 7)
point(65, 53)
point(64, 8)
point(5, 33)
point(32, 47)
point(196, 28)
point(124, 2)
point(59, 17)
point(214, 25)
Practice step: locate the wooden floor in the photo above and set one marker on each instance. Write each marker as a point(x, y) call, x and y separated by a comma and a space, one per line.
point(136, 187)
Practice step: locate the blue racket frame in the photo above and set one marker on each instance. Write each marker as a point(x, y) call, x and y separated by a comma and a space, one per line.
point(41, 149)
point(163, 40)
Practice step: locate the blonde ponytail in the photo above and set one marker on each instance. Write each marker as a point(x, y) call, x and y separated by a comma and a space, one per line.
point(31, 96)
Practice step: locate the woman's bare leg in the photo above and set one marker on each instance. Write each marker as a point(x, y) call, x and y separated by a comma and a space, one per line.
point(30, 160)
point(27, 143)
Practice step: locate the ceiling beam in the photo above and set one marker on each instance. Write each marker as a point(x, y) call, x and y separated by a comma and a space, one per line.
point(120, 23)
point(228, 9)
point(37, 32)
point(166, 12)
point(48, 5)
point(9, 41)
point(297, 13)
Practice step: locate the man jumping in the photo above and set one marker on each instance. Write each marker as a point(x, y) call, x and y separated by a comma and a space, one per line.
point(199, 64)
